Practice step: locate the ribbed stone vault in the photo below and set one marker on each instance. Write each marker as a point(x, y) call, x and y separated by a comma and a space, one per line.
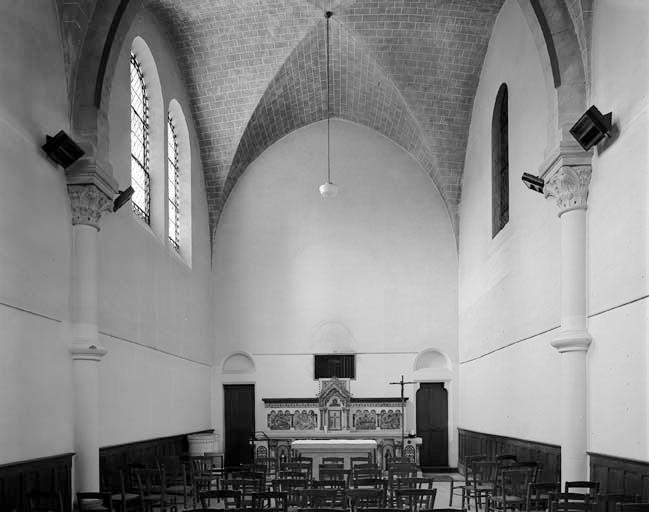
point(255, 71)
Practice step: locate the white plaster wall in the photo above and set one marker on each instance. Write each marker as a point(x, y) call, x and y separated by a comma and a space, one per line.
point(509, 284)
point(617, 237)
point(155, 307)
point(35, 229)
point(379, 259)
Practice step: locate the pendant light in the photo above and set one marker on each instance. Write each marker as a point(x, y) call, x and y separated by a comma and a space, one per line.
point(328, 189)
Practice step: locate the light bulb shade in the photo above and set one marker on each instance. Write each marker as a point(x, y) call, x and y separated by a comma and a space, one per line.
point(328, 190)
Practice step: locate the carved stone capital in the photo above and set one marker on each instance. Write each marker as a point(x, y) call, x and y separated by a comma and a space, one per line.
point(569, 187)
point(88, 203)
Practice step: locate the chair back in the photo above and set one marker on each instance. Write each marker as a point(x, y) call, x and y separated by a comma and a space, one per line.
point(290, 486)
point(538, 495)
point(369, 482)
point(415, 500)
point(335, 474)
point(322, 498)
point(515, 481)
point(271, 501)
point(364, 498)
point(483, 472)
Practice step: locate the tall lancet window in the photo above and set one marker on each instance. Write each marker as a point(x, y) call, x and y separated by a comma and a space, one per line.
point(173, 184)
point(500, 163)
point(140, 180)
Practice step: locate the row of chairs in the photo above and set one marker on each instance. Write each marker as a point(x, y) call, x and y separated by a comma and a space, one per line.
point(413, 500)
point(506, 484)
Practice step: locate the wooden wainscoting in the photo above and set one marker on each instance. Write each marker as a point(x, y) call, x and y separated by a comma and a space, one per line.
point(547, 455)
point(116, 457)
point(17, 479)
point(616, 474)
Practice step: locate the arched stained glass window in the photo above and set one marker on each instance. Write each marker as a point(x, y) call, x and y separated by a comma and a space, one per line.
point(140, 180)
point(173, 179)
point(500, 163)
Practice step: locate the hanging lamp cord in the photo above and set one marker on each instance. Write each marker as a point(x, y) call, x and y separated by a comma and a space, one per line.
point(328, 15)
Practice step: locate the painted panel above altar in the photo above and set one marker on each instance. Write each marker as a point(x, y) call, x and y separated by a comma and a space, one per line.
point(333, 412)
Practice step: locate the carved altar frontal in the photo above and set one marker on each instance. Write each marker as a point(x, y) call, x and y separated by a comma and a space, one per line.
point(334, 413)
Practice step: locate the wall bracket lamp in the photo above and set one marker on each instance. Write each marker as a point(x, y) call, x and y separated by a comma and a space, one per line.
point(62, 149)
point(532, 182)
point(122, 198)
point(592, 127)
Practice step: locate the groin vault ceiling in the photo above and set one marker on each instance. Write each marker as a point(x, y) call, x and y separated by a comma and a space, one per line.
point(256, 70)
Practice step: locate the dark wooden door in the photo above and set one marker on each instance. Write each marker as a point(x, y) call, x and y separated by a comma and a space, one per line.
point(239, 416)
point(432, 424)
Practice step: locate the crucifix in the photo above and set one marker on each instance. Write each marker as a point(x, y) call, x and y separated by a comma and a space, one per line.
point(403, 417)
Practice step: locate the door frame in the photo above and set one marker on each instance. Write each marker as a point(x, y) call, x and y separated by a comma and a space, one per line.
point(235, 382)
point(449, 386)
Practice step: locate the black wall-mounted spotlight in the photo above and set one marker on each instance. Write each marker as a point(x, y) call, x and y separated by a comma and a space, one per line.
point(533, 182)
point(123, 197)
point(62, 149)
point(592, 127)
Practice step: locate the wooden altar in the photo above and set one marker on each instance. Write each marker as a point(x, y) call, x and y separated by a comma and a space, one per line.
point(333, 414)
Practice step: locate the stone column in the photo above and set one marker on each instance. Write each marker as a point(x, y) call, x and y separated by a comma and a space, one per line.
point(87, 202)
point(568, 185)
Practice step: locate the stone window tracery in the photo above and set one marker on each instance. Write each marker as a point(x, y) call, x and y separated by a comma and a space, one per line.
point(140, 179)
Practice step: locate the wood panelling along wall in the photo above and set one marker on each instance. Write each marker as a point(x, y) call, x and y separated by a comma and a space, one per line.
point(18, 479)
point(478, 443)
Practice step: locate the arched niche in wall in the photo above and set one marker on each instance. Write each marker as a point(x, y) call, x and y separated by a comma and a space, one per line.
point(431, 364)
point(237, 363)
point(185, 179)
point(157, 135)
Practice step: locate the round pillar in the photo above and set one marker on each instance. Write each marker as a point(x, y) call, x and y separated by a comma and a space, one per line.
point(569, 186)
point(88, 203)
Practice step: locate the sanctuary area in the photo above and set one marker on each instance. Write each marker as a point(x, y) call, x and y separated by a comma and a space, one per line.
point(322, 240)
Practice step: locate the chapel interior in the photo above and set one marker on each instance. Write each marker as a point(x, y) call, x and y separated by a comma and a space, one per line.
point(263, 232)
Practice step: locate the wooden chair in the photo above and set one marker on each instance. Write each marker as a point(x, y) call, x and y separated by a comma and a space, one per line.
point(127, 498)
point(94, 502)
point(366, 471)
point(44, 501)
point(303, 467)
point(511, 492)
point(228, 498)
point(483, 481)
point(153, 491)
point(539, 494)
point(322, 498)
point(290, 486)
point(458, 488)
point(415, 500)
point(358, 499)
point(247, 487)
point(335, 474)
point(270, 501)
point(177, 482)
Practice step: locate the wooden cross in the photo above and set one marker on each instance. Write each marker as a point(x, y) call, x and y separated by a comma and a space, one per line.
point(402, 383)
